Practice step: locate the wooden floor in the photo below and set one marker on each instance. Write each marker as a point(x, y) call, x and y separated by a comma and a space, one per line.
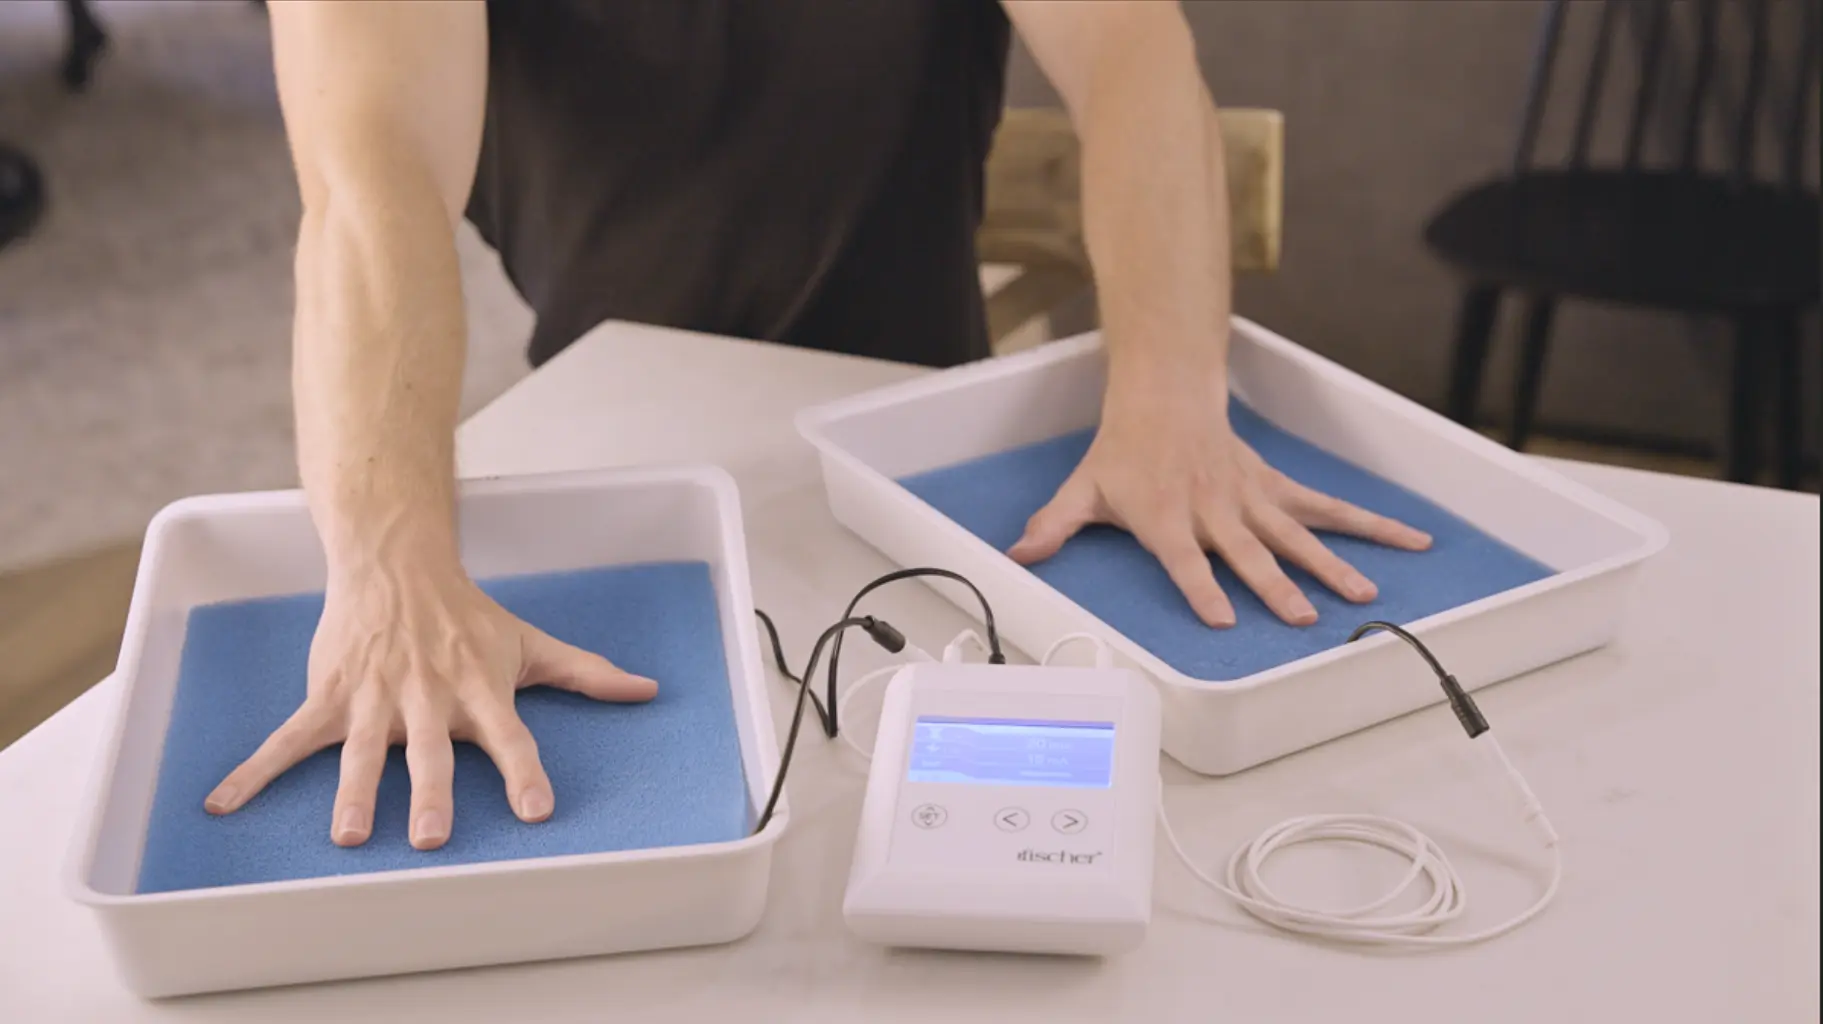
point(60, 627)
point(60, 623)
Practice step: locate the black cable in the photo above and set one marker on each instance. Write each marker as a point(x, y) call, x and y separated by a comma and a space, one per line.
point(881, 632)
point(778, 659)
point(797, 716)
point(994, 655)
point(1473, 722)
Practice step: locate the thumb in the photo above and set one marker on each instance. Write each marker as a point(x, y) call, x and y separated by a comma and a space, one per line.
point(1067, 513)
point(551, 662)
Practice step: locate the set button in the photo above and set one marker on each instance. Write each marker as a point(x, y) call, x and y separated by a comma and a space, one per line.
point(1067, 822)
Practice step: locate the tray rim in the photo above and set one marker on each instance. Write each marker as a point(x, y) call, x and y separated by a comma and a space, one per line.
point(86, 837)
point(814, 423)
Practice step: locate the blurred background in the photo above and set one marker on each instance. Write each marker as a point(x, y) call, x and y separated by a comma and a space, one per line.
point(147, 214)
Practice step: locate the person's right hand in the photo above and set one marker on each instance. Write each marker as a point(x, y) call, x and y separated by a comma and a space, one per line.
point(422, 658)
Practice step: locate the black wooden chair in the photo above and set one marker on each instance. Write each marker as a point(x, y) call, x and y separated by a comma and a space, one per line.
point(22, 191)
point(21, 194)
point(86, 41)
point(1682, 238)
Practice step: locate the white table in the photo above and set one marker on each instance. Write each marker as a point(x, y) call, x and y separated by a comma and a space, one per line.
point(1680, 766)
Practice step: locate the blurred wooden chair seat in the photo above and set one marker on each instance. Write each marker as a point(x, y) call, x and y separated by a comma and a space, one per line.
point(1033, 219)
point(60, 628)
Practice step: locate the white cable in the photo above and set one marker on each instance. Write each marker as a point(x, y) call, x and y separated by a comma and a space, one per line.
point(952, 654)
point(1368, 923)
point(1104, 655)
point(848, 735)
point(912, 652)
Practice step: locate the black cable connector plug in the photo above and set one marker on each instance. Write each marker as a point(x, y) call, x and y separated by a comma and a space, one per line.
point(1473, 722)
point(883, 634)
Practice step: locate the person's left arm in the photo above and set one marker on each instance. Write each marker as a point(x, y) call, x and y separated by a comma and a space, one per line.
point(1165, 464)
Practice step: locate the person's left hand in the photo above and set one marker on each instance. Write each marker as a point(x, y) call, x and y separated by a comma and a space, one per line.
point(1167, 467)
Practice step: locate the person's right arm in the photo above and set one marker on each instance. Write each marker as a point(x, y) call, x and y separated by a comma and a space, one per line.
point(383, 105)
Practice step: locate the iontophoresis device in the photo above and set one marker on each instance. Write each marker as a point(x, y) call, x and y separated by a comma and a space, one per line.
point(1009, 809)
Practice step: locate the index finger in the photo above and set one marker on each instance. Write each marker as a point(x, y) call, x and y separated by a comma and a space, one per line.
point(303, 734)
point(1322, 512)
point(1185, 561)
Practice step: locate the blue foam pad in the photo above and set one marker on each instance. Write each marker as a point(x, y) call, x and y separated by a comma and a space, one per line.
point(633, 776)
point(1109, 574)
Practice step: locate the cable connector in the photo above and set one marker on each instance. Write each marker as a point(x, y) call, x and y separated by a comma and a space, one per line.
point(952, 652)
point(1473, 722)
point(883, 633)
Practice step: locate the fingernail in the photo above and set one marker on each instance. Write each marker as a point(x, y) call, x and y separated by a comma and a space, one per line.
point(1360, 588)
point(221, 800)
point(534, 804)
point(431, 827)
point(1303, 612)
point(351, 825)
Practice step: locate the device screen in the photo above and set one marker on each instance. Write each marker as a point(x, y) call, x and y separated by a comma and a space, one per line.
point(1012, 751)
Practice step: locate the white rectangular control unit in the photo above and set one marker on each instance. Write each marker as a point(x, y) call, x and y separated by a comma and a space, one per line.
point(1009, 809)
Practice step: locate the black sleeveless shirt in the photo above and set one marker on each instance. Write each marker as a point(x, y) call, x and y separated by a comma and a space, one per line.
point(801, 171)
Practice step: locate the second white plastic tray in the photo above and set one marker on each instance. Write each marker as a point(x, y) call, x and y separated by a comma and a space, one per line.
point(869, 442)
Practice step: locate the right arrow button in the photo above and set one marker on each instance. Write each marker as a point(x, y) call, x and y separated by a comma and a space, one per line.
point(1069, 822)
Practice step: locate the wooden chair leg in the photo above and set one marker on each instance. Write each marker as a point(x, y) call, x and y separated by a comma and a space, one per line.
point(1788, 349)
point(1531, 367)
point(1745, 408)
point(1474, 332)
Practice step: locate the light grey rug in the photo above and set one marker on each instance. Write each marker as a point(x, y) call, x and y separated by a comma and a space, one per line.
point(145, 327)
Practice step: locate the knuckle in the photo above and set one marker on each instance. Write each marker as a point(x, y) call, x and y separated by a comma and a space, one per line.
point(426, 739)
point(498, 725)
point(1311, 548)
point(1265, 574)
point(370, 705)
point(369, 732)
point(465, 649)
point(1178, 550)
point(519, 743)
point(420, 698)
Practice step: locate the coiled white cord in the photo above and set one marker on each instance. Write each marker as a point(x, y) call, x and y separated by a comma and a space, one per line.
point(1369, 923)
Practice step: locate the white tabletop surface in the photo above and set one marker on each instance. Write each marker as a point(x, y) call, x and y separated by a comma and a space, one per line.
point(1680, 765)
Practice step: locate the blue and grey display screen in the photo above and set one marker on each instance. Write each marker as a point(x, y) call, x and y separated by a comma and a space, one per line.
point(1012, 752)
